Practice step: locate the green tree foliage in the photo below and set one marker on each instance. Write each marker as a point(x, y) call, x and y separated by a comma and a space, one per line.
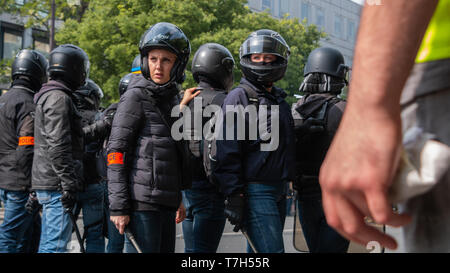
point(38, 14)
point(110, 31)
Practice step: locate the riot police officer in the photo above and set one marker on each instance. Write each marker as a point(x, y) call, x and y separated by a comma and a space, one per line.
point(146, 166)
point(87, 101)
point(57, 173)
point(317, 116)
point(253, 173)
point(29, 72)
point(212, 69)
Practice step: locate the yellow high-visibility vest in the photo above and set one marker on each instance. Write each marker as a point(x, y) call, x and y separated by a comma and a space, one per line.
point(436, 42)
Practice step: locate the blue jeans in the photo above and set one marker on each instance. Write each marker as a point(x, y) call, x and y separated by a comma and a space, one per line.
point(16, 229)
point(205, 220)
point(266, 213)
point(154, 231)
point(56, 224)
point(91, 202)
point(116, 241)
point(319, 236)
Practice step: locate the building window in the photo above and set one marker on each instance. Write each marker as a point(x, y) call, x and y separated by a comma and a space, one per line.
point(320, 18)
point(284, 7)
point(306, 11)
point(351, 32)
point(266, 4)
point(11, 42)
point(41, 42)
point(338, 26)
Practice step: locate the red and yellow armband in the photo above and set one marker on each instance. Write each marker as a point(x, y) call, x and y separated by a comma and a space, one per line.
point(26, 141)
point(115, 158)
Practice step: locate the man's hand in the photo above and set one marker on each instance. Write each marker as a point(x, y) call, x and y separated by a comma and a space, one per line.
point(357, 173)
point(68, 200)
point(120, 222)
point(181, 214)
point(234, 210)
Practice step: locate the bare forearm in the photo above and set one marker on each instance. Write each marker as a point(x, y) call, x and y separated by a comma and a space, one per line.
point(388, 40)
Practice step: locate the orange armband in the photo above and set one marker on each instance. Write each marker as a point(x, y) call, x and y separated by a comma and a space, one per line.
point(26, 141)
point(115, 158)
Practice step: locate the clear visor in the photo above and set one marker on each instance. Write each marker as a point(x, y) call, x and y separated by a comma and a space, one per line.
point(264, 44)
point(88, 68)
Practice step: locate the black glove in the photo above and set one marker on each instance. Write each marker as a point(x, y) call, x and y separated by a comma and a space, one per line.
point(108, 119)
point(311, 125)
point(234, 210)
point(32, 204)
point(68, 200)
point(99, 129)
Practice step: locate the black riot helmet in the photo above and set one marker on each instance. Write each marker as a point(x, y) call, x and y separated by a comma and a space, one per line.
point(170, 37)
point(136, 65)
point(32, 64)
point(325, 72)
point(214, 62)
point(89, 96)
point(124, 82)
point(328, 61)
point(70, 64)
point(269, 42)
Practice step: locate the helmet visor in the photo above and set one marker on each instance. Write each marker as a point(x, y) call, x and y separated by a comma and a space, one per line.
point(264, 44)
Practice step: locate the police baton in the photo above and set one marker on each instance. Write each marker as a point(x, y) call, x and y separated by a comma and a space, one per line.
point(77, 231)
point(132, 239)
point(244, 232)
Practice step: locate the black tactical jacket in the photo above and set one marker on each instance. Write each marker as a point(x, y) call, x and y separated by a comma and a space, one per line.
point(58, 154)
point(16, 138)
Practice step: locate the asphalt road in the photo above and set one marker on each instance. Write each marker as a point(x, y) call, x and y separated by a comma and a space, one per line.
point(234, 242)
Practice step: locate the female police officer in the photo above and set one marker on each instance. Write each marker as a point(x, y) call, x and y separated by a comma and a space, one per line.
point(146, 166)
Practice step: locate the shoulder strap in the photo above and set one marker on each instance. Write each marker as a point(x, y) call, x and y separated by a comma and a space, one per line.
point(252, 95)
point(321, 114)
point(218, 99)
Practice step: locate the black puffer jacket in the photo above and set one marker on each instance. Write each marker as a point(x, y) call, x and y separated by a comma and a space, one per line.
point(58, 153)
point(16, 141)
point(145, 164)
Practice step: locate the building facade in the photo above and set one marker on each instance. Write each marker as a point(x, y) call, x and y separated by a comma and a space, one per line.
point(14, 37)
point(339, 19)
